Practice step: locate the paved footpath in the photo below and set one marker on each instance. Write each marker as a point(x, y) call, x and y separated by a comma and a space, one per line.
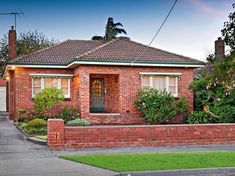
point(22, 158)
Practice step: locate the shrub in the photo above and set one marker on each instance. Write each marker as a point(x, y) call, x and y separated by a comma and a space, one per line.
point(214, 90)
point(157, 107)
point(39, 131)
point(23, 119)
point(68, 114)
point(182, 105)
point(23, 126)
point(37, 123)
point(47, 99)
point(36, 126)
point(197, 117)
point(78, 122)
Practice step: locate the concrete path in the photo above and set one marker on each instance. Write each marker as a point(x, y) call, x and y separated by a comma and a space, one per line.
point(22, 158)
point(145, 149)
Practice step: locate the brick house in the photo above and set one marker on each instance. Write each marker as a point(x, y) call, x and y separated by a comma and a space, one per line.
point(100, 79)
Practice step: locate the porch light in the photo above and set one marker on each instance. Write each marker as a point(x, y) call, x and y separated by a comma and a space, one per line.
point(7, 78)
point(13, 67)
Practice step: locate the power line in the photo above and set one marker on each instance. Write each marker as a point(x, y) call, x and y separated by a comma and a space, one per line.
point(157, 31)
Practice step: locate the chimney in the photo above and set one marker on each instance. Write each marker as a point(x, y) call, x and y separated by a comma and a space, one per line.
point(12, 43)
point(219, 48)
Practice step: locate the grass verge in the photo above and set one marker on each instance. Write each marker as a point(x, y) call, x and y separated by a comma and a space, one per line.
point(157, 161)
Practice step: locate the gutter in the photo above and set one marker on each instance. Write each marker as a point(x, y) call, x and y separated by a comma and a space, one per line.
point(113, 63)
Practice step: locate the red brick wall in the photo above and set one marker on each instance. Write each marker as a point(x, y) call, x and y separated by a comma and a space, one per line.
point(125, 91)
point(21, 89)
point(129, 85)
point(142, 135)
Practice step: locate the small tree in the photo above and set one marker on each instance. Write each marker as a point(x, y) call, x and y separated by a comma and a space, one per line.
point(228, 32)
point(159, 107)
point(47, 99)
point(111, 31)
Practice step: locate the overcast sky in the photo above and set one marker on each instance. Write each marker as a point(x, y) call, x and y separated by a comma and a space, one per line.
point(190, 30)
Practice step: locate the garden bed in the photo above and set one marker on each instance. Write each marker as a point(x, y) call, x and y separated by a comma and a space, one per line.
point(35, 138)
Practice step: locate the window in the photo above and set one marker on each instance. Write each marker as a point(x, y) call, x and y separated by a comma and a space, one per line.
point(168, 83)
point(36, 85)
point(61, 83)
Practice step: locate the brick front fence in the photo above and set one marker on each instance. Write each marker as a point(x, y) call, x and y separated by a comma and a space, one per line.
point(61, 137)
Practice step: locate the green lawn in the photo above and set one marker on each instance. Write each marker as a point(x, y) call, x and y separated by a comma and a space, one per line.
point(41, 137)
point(157, 161)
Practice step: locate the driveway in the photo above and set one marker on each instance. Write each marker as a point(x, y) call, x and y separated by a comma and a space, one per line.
point(20, 157)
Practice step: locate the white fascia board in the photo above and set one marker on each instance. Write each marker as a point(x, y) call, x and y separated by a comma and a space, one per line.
point(133, 64)
point(38, 66)
point(158, 73)
point(108, 63)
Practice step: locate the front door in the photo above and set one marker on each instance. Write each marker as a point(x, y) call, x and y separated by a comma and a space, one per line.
point(97, 95)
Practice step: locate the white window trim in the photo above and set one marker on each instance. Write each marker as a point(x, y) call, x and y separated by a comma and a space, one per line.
point(150, 75)
point(59, 85)
point(52, 75)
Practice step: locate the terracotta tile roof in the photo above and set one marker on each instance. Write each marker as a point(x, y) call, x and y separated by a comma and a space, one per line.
point(119, 50)
point(124, 50)
point(60, 54)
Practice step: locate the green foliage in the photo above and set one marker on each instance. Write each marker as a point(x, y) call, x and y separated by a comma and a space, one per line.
point(215, 92)
point(97, 37)
point(25, 115)
point(35, 126)
point(182, 105)
point(23, 119)
point(37, 123)
point(228, 32)
point(23, 125)
point(200, 92)
point(78, 122)
point(68, 114)
point(111, 31)
point(158, 107)
point(47, 99)
point(41, 137)
point(197, 117)
point(38, 131)
point(32, 41)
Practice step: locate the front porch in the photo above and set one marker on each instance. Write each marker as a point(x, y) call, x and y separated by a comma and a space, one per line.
point(107, 95)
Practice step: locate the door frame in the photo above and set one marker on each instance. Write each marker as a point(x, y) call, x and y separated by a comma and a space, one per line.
point(100, 108)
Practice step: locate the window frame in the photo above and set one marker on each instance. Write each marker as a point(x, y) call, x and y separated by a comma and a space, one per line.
point(167, 76)
point(58, 85)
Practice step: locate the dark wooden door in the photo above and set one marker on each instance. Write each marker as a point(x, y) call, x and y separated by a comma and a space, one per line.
point(97, 95)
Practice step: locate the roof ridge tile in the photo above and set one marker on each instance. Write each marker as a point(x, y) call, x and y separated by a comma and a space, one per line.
point(95, 49)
